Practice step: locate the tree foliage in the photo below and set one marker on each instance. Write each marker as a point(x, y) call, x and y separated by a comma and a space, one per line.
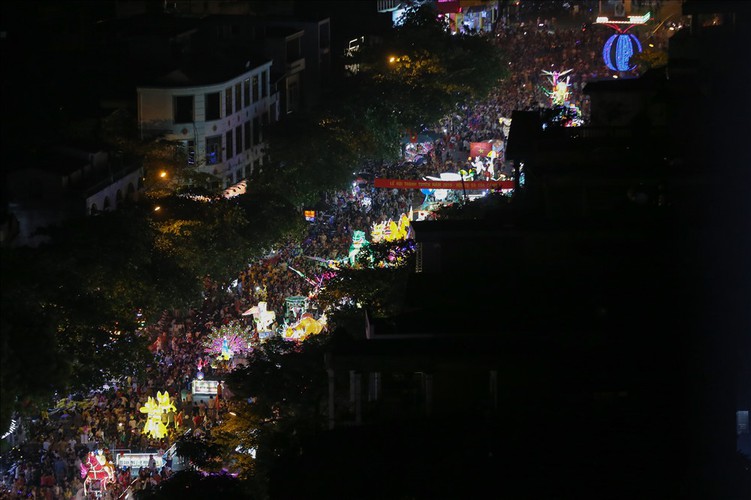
point(408, 81)
point(280, 399)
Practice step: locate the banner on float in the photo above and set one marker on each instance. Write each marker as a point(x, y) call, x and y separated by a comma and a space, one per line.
point(417, 184)
point(479, 149)
point(137, 460)
point(208, 387)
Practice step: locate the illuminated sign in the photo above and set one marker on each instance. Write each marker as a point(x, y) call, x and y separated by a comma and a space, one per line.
point(204, 387)
point(137, 460)
point(310, 215)
point(628, 20)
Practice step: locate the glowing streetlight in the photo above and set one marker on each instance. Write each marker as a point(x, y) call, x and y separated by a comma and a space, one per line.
point(157, 208)
point(163, 174)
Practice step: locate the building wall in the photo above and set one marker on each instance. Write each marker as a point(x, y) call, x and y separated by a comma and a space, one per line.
point(111, 196)
point(156, 116)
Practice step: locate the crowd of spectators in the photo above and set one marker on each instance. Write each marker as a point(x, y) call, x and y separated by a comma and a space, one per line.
point(110, 417)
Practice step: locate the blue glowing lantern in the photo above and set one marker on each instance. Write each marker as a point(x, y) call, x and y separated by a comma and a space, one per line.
point(619, 49)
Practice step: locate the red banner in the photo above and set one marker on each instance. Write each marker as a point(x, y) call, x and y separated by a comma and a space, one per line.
point(417, 184)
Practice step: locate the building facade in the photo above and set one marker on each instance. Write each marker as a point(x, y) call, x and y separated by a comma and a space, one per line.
point(219, 125)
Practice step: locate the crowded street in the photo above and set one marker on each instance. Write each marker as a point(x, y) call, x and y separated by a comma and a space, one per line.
point(49, 452)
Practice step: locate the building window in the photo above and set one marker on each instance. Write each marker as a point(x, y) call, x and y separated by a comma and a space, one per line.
point(213, 150)
point(213, 106)
point(183, 108)
point(228, 101)
point(238, 97)
point(256, 131)
point(239, 138)
point(246, 92)
point(255, 88)
point(264, 84)
point(228, 141)
point(246, 135)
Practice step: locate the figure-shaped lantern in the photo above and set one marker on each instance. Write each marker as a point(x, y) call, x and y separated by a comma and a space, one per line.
point(358, 242)
point(98, 470)
point(154, 409)
point(262, 317)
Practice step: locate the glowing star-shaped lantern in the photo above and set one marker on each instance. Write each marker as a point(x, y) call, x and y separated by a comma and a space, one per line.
point(154, 408)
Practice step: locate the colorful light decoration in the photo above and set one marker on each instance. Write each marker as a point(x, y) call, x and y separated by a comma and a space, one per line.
point(11, 429)
point(307, 326)
point(98, 468)
point(154, 408)
point(619, 49)
point(390, 230)
point(358, 242)
point(632, 20)
point(559, 93)
point(262, 317)
point(230, 339)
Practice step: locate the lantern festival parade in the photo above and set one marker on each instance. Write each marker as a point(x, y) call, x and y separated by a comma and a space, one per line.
point(294, 315)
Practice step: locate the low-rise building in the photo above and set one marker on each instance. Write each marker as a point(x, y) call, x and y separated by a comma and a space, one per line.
point(217, 120)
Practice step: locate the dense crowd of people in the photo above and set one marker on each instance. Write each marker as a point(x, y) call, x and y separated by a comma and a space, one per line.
point(56, 444)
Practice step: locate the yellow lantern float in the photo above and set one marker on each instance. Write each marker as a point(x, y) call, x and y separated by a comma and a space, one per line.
point(154, 409)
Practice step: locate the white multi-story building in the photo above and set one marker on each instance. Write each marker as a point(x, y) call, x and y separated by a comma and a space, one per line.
point(219, 123)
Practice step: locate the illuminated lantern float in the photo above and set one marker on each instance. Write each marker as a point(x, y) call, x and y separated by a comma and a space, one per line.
point(622, 46)
point(97, 473)
point(619, 49)
point(154, 408)
point(229, 340)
